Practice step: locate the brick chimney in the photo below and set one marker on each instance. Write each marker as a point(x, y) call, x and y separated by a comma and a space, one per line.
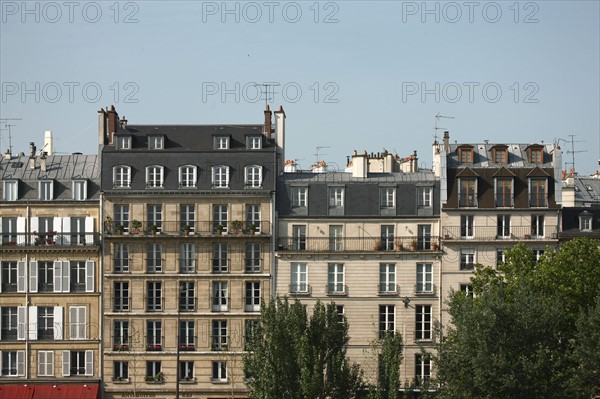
point(446, 142)
point(113, 123)
point(268, 115)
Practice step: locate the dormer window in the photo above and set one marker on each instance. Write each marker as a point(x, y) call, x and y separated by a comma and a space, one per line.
point(536, 153)
point(221, 142)
point(467, 193)
point(154, 176)
point(254, 142)
point(80, 190)
point(121, 176)
point(156, 142)
point(123, 142)
point(11, 190)
point(465, 154)
point(585, 221)
point(46, 190)
point(538, 193)
point(500, 154)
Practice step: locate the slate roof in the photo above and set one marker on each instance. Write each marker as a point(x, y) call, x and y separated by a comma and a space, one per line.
point(587, 190)
point(482, 156)
point(330, 177)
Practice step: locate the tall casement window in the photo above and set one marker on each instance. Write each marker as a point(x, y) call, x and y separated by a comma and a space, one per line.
point(253, 176)
point(253, 217)
point(387, 319)
point(387, 237)
point(387, 197)
point(187, 258)
point(220, 176)
point(77, 322)
point(78, 363)
point(504, 192)
point(424, 236)
point(500, 256)
point(121, 215)
point(187, 218)
point(467, 192)
point(11, 190)
point(186, 371)
point(219, 371)
point(219, 335)
point(537, 226)
point(187, 296)
point(154, 336)
point(8, 321)
point(387, 278)
point(500, 154)
point(220, 260)
point(45, 276)
point(424, 197)
point(336, 240)
point(9, 277)
point(299, 237)
point(220, 296)
point(45, 322)
point(76, 275)
point(538, 195)
point(254, 142)
point(188, 176)
point(13, 363)
point(299, 275)
point(536, 153)
point(154, 296)
point(336, 197)
point(422, 368)
point(121, 335)
point(46, 190)
point(154, 260)
point(299, 197)
point(585, 221)
point(466, 226)
point(45, 363)
point(424, 278)
point(155, 217)
point(253, 259)
point(123, 142)
point(503, 230)
point(423, 322)
point(121, 258)
point(122, 176)
point(187, 335)
point(121, 296)
point(120, 371)
point(79, 190)
point(252, 296)
point(335, 279)
point(153, 370)
point(220, 217)
point(10, 232)
point(467, 259)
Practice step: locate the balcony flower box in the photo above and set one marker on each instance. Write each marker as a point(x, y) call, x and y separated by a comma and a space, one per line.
point(159, 378)
point(120, 348)
point(154, 348)
point(187, 347)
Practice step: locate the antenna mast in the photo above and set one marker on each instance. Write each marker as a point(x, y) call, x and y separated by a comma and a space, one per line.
point(8, 126)
point(572, 150)
point(436, 128)
point(317, 154)
point(266, 92)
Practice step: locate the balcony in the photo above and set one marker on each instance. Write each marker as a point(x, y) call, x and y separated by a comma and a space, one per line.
point(300, 289)
point(336, 289)
point(358, 244)
point(186, 229)
point(389, 289)
point(490, 233)
point(154, 344)
point(425, 289)
point(48, 240)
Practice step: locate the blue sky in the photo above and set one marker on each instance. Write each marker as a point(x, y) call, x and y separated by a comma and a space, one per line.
point(349, 74)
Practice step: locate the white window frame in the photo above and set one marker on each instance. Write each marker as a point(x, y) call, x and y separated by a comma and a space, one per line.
point(88, 362)
point(467, 257)
point(10, 190)
point(299, 237)
point(254, 142)
point(219, 371)
point(220, 176)
point(188, 176)
point(299, 197)
point(123, 142)
point(336, 279)
point(253, 257)
point(538, 224)
point(299, 278)
point(253, 176)
point(18, 357)
point(467, 226)
point(156, 142)
point(80, 190)
point(387, 278)
point(503, 226)
point(424, 278)
point(220, 294)
point(187, 258)
point(253, 296)
point(155, 176)
point(122, 176)
point(45, 360)
point(77, 322)
point(46, 190)
point(222, 142)
point(425, 197)
point(585, 223)
point(387, 197)
point(387, 319)
point(336, 237)
point(336, 197)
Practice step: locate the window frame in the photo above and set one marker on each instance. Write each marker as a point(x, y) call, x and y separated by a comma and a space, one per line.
point(387, 319)
point(155, 176)
point(504, 192)
point(336, 279)
point(387, 278)
point(188, 176)
point(299, 197)
point(299, 278)
point(222, 142)
point(123, 142)
point(424, 197)
point(253, 176)
point(13, 191)
point(79, 192)
point(156, 142)
point(121, 176)
point(220, 176)
point(467, 192)
point(467, 259)
point(423, 323)
point(46, 189)
point(387, 197)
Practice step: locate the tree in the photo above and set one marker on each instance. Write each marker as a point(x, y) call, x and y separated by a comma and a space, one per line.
point(520, 337)
point(389, 354)
point(293, 356)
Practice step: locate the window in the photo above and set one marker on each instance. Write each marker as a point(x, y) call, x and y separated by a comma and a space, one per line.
point(123, 142)
point(77, 276)
point(465, 155)
point(121, 213)
point(299, 197)
point(504, 193)
point(219, 371)
point(387, 278)
point(254, 142)
point(467, 259)
point(537, 193)
point(537, 226)
point(424, 236)
point(252, 257)
point(219, 335)
point(122, 176)
point(252, 296)
point(187, 176)
point(220, 261)
point(45, 276)
point(585, 221)
point(386, 319)
point(13, 363)
point(120, 371)
point(187, 258)
point(45, 361)
point(121, 296)
point(387, 237)
point(219, 296)
point(153, 371)
point(221, 143)
point(154, 217)
point(299, 274)
point(220, 176)
point(537, 255)
point(422, 368)
point(467, 193)
point(423, 322)
point(387, 197)
point(186, 371)
point(500, 257)
point(154, 258)
point(253, 176)
point(466, 226)
point(299, 237)
point(187, 296)
point(154, 335)
point(77, 322)
point(78, 363)
point(336, 242)
point(121, 335)
point(336, 197)
point(500, 155)
point(424, 278)
point(220, 217)
point(46, 190)
point(79, 190)
point(154, 296)
point(9, 277)
point(121, 260)
point(187, 335)
point(467, 289)
point(536, 155)
point(253, 217)
point(424, 195)
point(335, 279)
point(250, 328)
point(340, 312)
point(77, 230)
point(503, 230)
point(11, 190)
point(187, 218)
point(10, 233)
point(8, 321)
point(156, 142)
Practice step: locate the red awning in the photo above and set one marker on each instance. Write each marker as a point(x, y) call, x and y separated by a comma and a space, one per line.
point(16, 391)
point(58, 391)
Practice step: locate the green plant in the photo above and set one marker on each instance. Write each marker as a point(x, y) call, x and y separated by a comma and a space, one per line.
point(136, 224)
point(236, 225)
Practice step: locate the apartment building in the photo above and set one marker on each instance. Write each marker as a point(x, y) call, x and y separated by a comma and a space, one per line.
point(494, 196)
point(367, 239)
point(580, 215)
point(50, 281)
point(188, 236)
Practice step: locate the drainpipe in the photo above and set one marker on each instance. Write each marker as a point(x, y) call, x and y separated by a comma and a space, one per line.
point(27, 362)
point(101, 275)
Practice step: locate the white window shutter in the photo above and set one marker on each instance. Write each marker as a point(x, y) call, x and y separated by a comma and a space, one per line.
point(58, 323)
point(32, 326)
point(66, 276)
point(34, 222)
point(82, 319)
point(89, 362)
point(66, 363)
point(90, 267)
point(21, 323)
point(41, 360)
point(66, 231)
point(89, 230)
point(20, 362)
point(21, 276)
point(21, 230)
point(58, 276)
point(0, 225)
point(33, 276)
point(57, 224)
point(73, 322)
point(50, 363)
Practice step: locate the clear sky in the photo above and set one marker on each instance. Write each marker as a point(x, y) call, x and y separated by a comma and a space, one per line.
point(349, 74)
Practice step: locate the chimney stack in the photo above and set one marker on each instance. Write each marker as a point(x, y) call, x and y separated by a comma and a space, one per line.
point(268, 115)
point(113, 123)
point(446, 142)
point(123, 122)
point(43, 161)
point(48, 144)
point(102, 127)
point(280, 137)
point(32, 150)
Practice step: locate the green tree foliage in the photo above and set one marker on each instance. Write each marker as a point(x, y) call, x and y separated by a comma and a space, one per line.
point(529, 330)
point(293, 356)
point(389, 350)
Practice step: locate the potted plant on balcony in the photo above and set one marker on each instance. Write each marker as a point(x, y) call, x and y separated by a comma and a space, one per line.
point(414, 245)
point(399, 245)
point(236, 226)
point(378, 246)
point(186, 230)
point(220, 229)
point(120, 229)
point(135, 226)
point(153, 229)
point(252, 228)
point(434, 246)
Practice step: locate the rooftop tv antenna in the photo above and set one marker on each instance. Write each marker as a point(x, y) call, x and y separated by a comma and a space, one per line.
point(436, 128)
point(7, 127)
point(317, 154)
point(266, 92)
point(572, 150)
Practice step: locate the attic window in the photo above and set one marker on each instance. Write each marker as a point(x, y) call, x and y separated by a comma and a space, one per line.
point(536, 155)
point(123, 142)
point(156, 142)
point(465, 155)
point(254, 142)
point(221, 142)
point(500, 155)
point(585, 222)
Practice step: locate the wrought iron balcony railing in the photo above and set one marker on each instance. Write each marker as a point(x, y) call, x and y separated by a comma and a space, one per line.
point(491, 233)
point(358, 244)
